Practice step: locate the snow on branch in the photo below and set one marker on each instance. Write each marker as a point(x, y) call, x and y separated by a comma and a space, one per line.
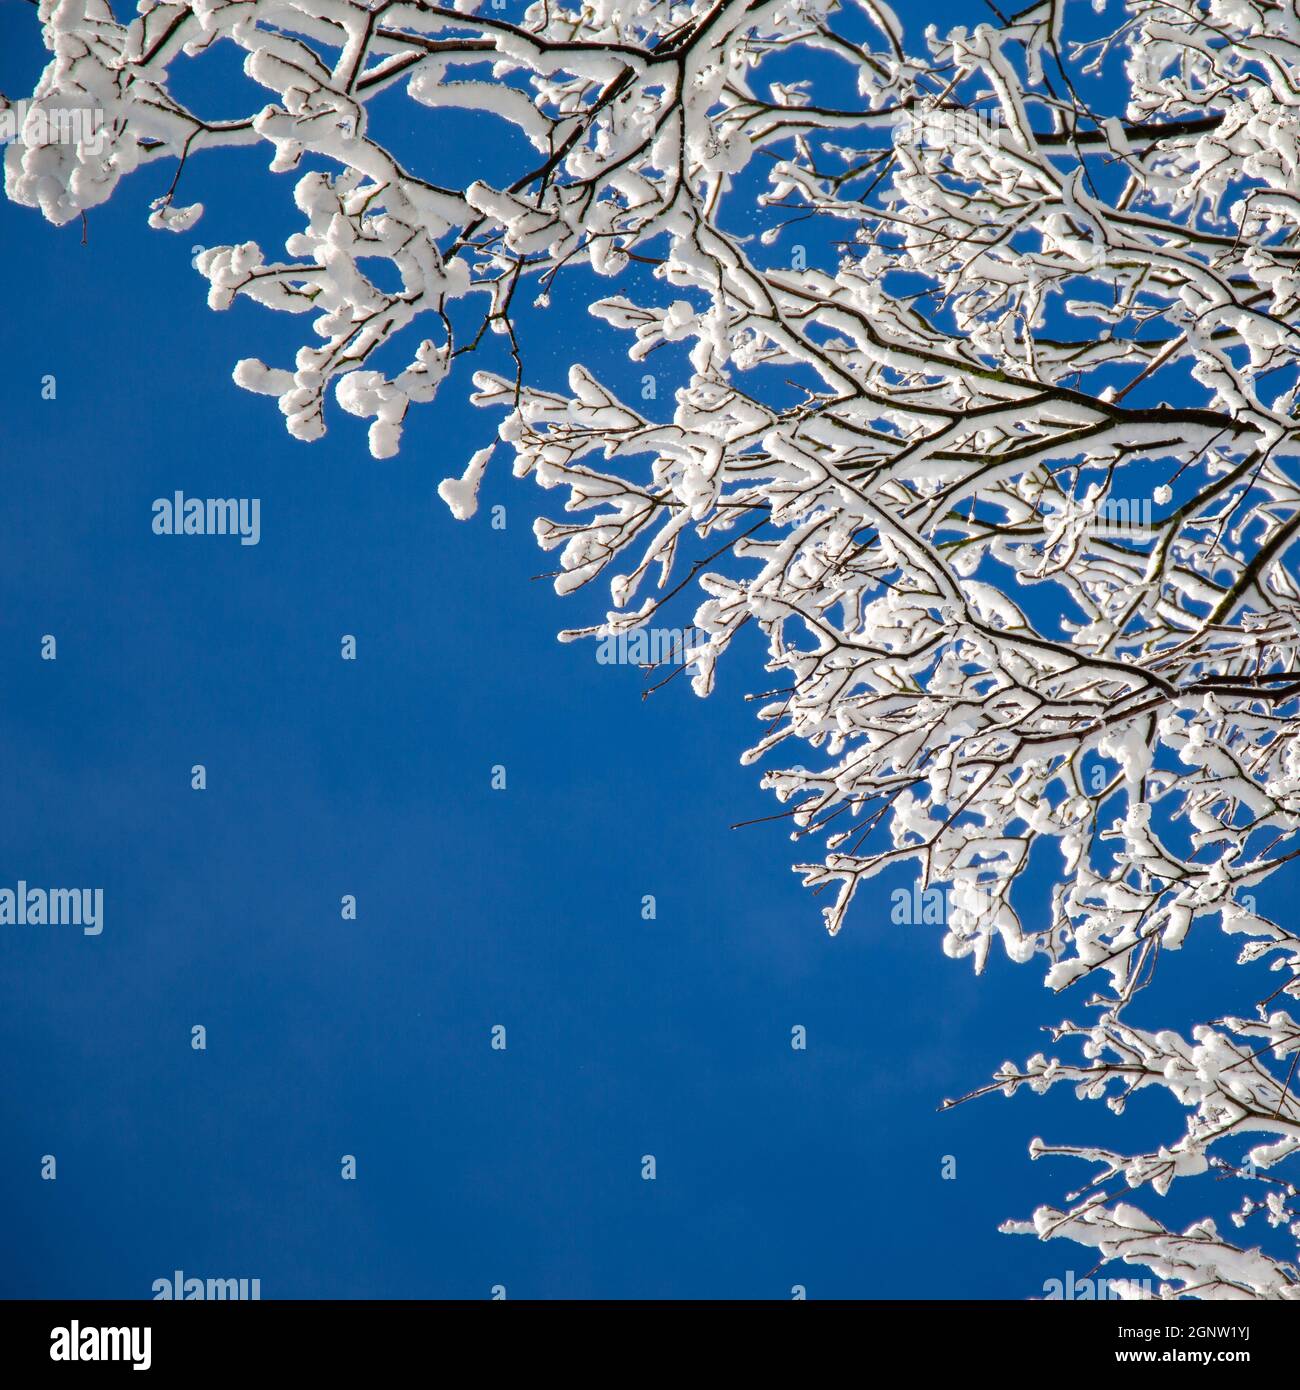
point(986, 418)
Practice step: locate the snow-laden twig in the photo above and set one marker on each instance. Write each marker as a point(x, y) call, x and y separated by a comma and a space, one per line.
point(1000, 456)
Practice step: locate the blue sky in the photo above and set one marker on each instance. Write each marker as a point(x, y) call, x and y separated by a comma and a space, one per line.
point(477, 907)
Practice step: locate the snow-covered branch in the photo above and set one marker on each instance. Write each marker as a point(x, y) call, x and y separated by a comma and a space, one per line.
point(1000, 455)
